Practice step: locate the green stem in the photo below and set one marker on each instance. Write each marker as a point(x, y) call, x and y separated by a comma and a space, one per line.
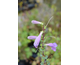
point(43, 41)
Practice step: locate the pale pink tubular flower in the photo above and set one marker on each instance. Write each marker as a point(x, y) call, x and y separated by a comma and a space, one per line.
point(53, 45)
point(32, 37)
point(37, 40)
point(36, 22)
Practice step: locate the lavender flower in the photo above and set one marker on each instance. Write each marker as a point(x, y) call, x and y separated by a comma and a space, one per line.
point(32, 37)
point(37, 40)
point(53, 45)
point(36, 22)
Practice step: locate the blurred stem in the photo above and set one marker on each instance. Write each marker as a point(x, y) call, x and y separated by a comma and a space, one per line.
point(49, 21)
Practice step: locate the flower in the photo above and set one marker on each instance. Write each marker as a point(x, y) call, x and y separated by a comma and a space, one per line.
point(53, 45)
point(37, 40)
point(36, 22)
point(32, 37)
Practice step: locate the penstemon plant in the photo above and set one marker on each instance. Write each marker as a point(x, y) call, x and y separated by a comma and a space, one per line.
point(43, 46)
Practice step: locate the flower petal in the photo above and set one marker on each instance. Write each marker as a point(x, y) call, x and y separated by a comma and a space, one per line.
point(54, 44)
point(50, 44)
point(36, 22)
point(53, 48)
point(37, 40)
point(32, 37)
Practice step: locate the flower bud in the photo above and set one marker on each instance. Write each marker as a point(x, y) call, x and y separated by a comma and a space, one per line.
point(32, 37)
point(36, 22)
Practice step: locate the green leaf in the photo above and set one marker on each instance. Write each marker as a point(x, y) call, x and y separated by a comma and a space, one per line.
point(41, 55)
point(42, 63)
point(48, 63)
point(38, 54)
point(27, 49)
point(33, 50)
point(40, 49)
point(41, 45)
point(58, 38)
point(47, 52)
point(28, 54)
point(45, 57)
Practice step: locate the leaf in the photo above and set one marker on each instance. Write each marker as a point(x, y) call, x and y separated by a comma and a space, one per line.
point(48, 63)
point(47, 52)
point(40, 49)
point(33, 50)
point(27, 49)
point(41, 55)
point(45, 57)
point(28, 54)
point(41, 63)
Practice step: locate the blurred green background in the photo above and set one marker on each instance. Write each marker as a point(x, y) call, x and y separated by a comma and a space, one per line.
point(40, 10)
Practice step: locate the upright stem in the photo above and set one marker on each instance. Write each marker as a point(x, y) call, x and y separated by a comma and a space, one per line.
point(43, 42)
point(43, 37)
